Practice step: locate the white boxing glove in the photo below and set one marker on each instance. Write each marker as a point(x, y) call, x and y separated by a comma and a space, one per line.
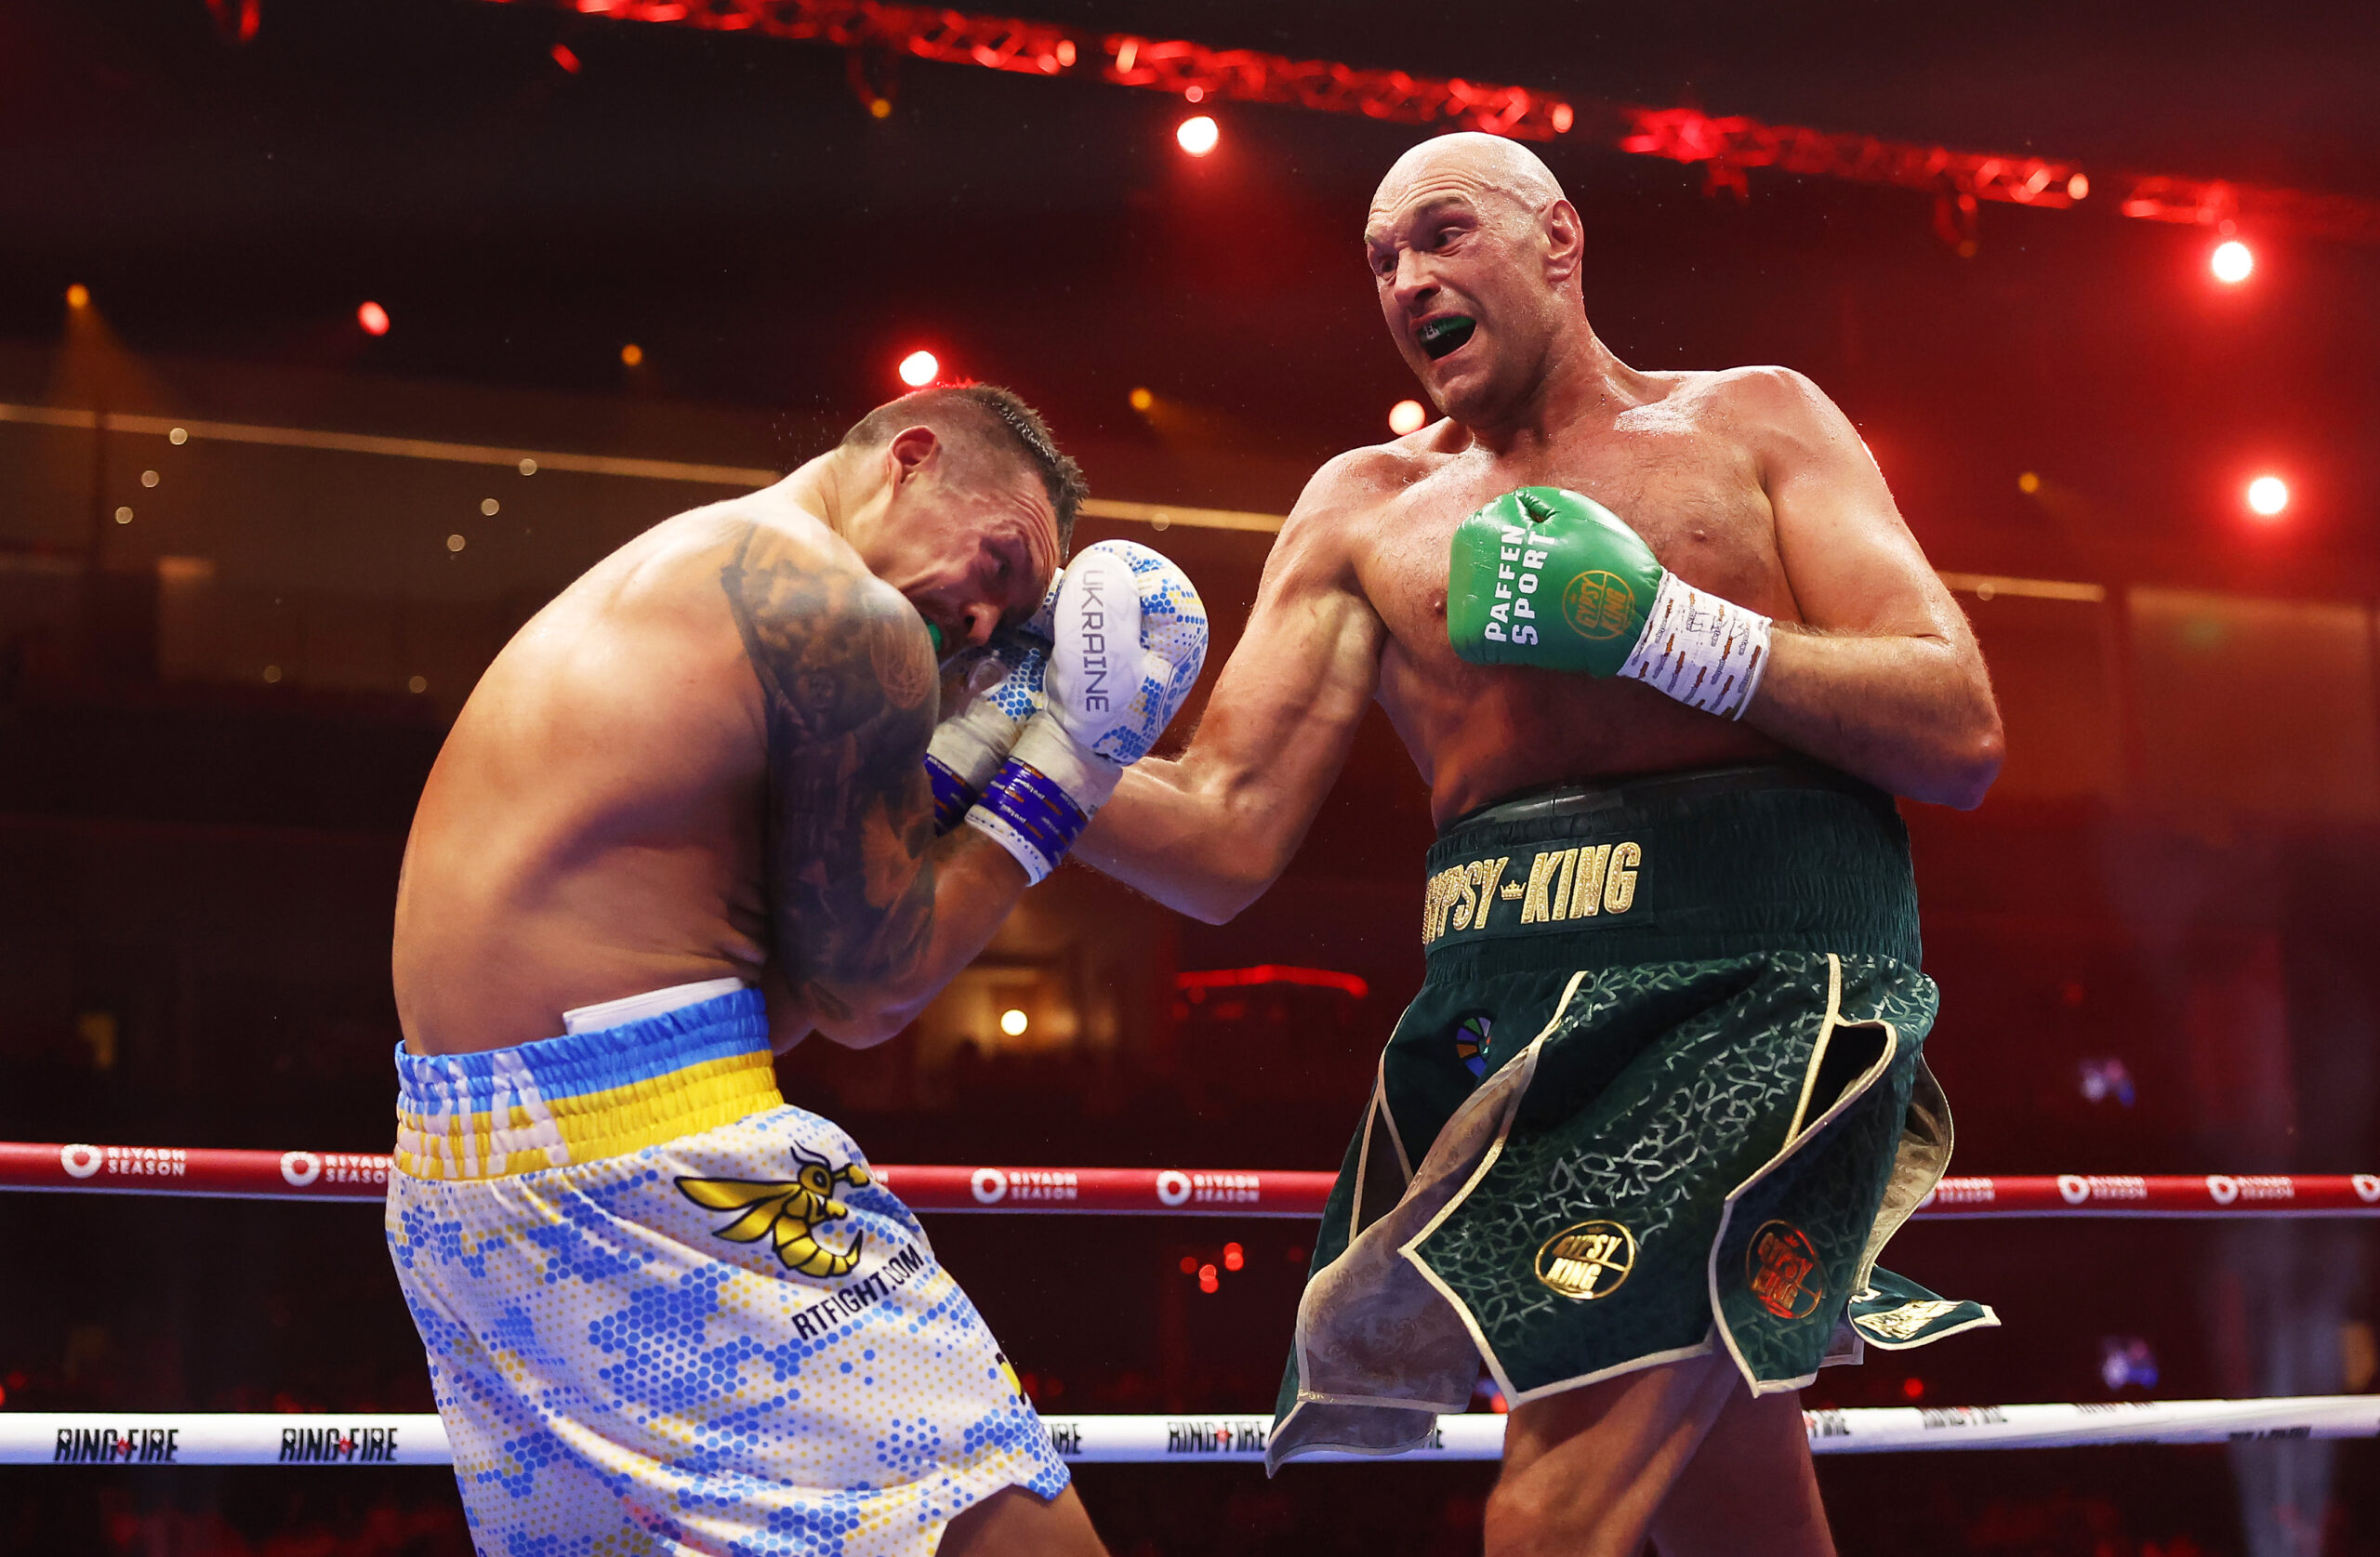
point(1127, 641)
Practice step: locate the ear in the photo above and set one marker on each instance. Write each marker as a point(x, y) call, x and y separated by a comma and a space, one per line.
point(912, 452)
point(1566, 245)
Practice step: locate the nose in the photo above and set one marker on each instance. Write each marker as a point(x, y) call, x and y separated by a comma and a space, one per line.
point(979, 621)
point(1413, 283)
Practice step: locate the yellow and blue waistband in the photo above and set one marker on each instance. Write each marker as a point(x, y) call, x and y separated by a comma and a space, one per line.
point(584, 1095)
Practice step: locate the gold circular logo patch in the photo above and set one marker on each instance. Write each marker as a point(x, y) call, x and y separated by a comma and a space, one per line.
point(1598, 603)
point(1587, 1261)
point(1782, 1269)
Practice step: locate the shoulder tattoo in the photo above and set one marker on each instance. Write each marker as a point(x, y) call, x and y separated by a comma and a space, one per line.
point(847, 680)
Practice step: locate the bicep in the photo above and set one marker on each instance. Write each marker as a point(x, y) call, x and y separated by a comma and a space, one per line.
point(848, 691)
point(1849, 558)
point(1297, 684)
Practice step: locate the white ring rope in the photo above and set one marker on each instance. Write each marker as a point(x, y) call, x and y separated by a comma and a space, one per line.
point(198, 1438)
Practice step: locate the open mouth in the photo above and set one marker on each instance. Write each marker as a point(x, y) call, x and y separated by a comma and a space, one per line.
point(1436, 337)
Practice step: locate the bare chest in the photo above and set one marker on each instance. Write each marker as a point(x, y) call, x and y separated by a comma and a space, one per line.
point(1693, 494)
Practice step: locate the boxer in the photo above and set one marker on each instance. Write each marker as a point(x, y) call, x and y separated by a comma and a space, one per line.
point(1662, 649)
point(687, 817)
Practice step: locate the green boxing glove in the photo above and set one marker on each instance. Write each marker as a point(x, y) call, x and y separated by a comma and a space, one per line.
point(1548, 578)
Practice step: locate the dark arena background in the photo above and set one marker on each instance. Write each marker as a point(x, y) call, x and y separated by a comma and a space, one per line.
point(335, 337)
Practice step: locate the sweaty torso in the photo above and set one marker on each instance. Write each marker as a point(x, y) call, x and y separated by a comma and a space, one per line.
point(592, 827)
point(1681, 468)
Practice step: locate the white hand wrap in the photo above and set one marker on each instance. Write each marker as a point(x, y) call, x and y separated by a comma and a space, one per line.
point(1004, 689)
point(1707, 652)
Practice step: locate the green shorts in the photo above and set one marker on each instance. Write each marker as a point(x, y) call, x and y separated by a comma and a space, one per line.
point(1660, 1094)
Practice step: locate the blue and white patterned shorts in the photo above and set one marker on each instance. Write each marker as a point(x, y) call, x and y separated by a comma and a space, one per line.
point(687, 1319)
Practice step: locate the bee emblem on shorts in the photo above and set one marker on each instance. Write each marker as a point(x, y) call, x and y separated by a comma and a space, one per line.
point(789, 1213)
point(1587, 1260)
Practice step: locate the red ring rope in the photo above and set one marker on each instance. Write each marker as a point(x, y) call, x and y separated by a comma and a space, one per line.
point(214, 1173)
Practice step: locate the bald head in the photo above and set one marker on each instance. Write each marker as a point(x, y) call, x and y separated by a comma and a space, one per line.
point(1471, 163)
point(1477, 259)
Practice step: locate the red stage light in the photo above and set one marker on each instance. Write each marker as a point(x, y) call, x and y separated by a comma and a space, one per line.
point(1233, 1256)
point(1197, 135)
point(2267, 496)
point(373, 318)
point(1208, 1280)
point(564, 58)
point(1913, 1387)
point(1407, 415)
point(920, 369)
point(2231, 262)
point(1270, 973)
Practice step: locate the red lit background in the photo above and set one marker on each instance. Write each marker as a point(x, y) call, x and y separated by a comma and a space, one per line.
point(227, 659)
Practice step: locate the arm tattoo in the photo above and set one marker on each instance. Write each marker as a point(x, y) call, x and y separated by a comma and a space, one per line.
point(847, 683)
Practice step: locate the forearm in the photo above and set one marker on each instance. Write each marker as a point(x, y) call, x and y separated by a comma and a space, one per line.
point(1195, 846)
point(1874, 671)
point(1208, 833)
point(1913, 715)
point(975, 884)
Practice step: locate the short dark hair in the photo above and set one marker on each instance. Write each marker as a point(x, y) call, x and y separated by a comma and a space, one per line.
point(987, 416)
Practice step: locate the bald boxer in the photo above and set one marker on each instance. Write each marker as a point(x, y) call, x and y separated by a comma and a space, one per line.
point(665, 1312)
point(1662, 649)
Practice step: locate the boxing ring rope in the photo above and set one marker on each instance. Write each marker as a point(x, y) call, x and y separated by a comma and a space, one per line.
point(193, 1438)
point(198, 1438)
point(213, 1173)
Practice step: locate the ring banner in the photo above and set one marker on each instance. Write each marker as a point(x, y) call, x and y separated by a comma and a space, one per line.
point(218, 1438)
point(194, 1170)
point(2156, 1195)
point(1901, 1428)
point(355, 1175)
point(192, 1438)
point(209, 1173)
